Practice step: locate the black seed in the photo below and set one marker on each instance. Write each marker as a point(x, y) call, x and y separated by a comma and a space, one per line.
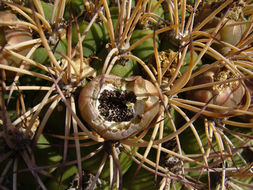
point(113, 105)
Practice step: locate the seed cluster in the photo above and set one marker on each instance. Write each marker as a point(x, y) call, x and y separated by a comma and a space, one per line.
point(113, 105)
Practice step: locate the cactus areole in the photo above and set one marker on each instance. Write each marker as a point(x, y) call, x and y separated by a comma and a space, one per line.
point(116, 107)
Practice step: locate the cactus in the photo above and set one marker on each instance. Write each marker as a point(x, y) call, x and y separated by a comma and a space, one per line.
point(126, 94)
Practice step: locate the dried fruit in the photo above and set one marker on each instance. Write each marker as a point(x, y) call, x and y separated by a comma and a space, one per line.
point(118, 107)
point(13, 35)
point(231, 33)
point(228, 94)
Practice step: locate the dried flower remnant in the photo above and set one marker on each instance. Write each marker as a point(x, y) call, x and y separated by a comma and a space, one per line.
point(228, 94)
point(168, 64)
point(20, 135)
point(79, 68)
point(23, 127)
point(118, 107)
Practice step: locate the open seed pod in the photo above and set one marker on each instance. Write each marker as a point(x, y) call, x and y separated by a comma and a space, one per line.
point(118, 107)
point(228, 94)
